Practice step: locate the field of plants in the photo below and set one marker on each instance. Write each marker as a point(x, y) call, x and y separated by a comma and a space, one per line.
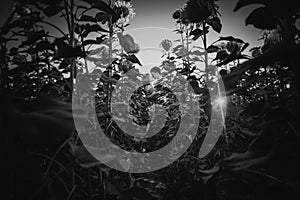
point(231, 126)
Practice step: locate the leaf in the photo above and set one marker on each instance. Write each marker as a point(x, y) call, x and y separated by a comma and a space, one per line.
point(244, 46)
point(221, 55)
point(178, 47)
point(48, 2)
point(215, 23)
point(93, 28)
point(89, 42)
point(232, 57)
point(24, 67)
point(101, 5)
point(44, 45)
point(261, 19)
point(79, 28)
point(87, 18)
point(34, 37)
point(69, 52)
point(255, 52)
point(197, 59)
point(198, 33)
point(134, 59)
point(198, 53)
point(212, 49)
point(52, 10)
point(243, 3)
point(101, 17)
point(266, 47)
point(231, 39)
point(64, 64)
point(232, 46)
point(195, 86)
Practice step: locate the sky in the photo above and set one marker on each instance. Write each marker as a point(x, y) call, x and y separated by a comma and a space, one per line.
point(153, 23)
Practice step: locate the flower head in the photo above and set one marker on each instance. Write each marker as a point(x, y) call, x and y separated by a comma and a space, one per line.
point(128, 44)
point(181, 16)
point(199, 10)
point(166, 44)
point(168, 65)
point(124, 10)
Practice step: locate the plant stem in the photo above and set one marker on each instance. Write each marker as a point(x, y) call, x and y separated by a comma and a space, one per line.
point(72, 42)
point(187, 46)
point(67, 14)
point(205, 48)
point(181, 34)
point(109, 68)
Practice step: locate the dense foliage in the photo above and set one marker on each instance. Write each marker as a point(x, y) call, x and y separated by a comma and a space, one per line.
point(256, 157)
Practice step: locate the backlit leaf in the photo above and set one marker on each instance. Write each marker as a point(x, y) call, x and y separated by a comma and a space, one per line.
point(215, 23)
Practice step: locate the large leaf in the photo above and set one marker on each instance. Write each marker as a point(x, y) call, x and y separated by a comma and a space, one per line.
point(52, 10)
point(262, 19)
point(212, 49)
point(215, 23)
point(243, 3)
point(87, 18)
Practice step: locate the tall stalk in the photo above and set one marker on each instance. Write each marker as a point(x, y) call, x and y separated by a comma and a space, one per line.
point(72, 30)
point(187, 46)
point(109, 71)
point(71, 25)
point(205, 48)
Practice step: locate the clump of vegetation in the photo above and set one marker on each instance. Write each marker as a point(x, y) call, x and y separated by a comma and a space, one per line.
point(45, 69)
